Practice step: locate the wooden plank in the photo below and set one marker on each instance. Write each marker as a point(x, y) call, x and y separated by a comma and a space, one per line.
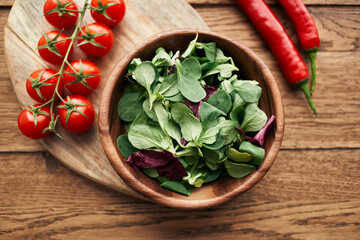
point(299, 175)
point(227, 2)
point(307, 2)
point(338, 28)
point(11, 138)
point(313, 198)
point(302, 131)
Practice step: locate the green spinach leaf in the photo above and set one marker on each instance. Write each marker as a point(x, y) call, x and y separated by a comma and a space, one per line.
point(209, 48)
point(221, 100)
point(191, 48)
point(238, 170)
point(176, 187)
point(130, 105)
point(256, 152)
point(250, 93)
point(224, 69)
point(237, 156)
point(254, 118)
point(125, 147)
point(188, 74)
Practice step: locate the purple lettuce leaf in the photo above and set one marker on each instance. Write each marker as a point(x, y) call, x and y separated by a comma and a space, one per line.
point(166, 163)
point(173, 170)
point(209, 91)
point(260, 136)
point(183, 142)
point(150, 158)
point(194, 107)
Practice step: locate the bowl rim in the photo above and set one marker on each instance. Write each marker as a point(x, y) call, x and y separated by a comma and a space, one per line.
point(131, 181)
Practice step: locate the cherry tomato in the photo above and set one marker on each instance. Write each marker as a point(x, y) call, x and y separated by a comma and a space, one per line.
point(77, 115)
point(108, 12)
point(26, 121)
point(86, 78)
point(41, 90)
point(96, 39)
point(59, 15)
point(52, 51)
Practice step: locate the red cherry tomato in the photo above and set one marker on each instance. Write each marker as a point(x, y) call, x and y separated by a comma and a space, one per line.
point(51, 51)
point(86, 78)
point(59, 15)
point(41, 90)
point(108, 12)
point(26, 121)
point(77, 115)
point(96, 39)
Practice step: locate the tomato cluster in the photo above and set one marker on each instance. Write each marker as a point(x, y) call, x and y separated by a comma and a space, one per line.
point(81, 77)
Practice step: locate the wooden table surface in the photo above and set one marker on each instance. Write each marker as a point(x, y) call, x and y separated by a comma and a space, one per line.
point(311, 192)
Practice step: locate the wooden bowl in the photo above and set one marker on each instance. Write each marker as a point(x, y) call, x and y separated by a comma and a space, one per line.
point(223, 189)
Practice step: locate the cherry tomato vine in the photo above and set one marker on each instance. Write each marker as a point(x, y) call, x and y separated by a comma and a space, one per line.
point(76, 113)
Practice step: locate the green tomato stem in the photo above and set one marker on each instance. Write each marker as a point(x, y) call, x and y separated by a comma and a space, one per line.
point(65, 61)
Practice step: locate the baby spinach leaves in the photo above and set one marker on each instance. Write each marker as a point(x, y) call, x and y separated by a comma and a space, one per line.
point(188, 74)
point(187, 115)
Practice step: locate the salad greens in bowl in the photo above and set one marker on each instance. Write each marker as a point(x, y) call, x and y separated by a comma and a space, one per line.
point(190, 119)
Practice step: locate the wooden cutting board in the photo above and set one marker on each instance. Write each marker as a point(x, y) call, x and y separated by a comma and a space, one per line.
point(83, 153)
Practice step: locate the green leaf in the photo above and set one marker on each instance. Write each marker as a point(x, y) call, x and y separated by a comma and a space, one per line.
point(237, 156)
point(133, 64)
point(166, 123)
point(250, 93)
point(219, 142)
point(211, 158)
point(148, 136)
point(209, 48)
point(228, 130)
point(256, 152)
point(191, 127)
point(238, 101)
point(188, 74)
point(176, 187)
point(212, 176)
point(162, 58)
point(151, 172)
point(209, 115)
point(237, 114)
point(220, 57)
point(149, 112)
point(169, 86)
point(145, 74)
point(238, 170)
point(221, 100)
point(130, 105)
point(209, 135)
point(176, 98)
point(191, 48)
point(224, 69)
point(125, 146)
point(254, 118)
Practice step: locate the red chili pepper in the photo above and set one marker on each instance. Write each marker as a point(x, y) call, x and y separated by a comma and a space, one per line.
point(284, 50)
point(306, 31)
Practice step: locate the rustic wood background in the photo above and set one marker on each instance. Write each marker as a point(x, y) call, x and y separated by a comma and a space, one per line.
point(311, 192)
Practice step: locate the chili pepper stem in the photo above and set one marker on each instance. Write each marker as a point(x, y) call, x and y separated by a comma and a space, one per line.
point(303, 86)
point(312, 57)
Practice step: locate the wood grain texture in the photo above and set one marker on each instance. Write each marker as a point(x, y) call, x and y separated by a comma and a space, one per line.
point(83, 152)
point(227, 2)
point(46, 200)
point(339, 31)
